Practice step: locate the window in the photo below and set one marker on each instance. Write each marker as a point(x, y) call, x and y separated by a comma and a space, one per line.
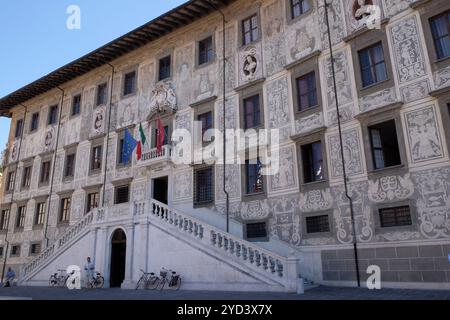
point(96, 158)
point(206, 119)
point(317, 224)
point(15, 251)
point(373, 66)
point(45, 172)
point(299, 7)
point(40, 214)
point(69, 168)
point(129, 83)
point(1, 252)
point(384, 143)
point(250, 30)
point(164, 68)
point(307, 92)
point(395, 217)
point(205, 51)
point(312, 162)
point(64, 214)
point(34, 122)
point(76, 105)
point(440, 29)
point(4, 219)
point(19, 129)
point(204, 182)
point(10, 181)
point(253, 175)
point(52, 115)
point(101, 94)
point(92, 201)
point(255, 231)
point(252, 113)
point(122, 194)
point(21, 212)
point(35, 249)
point(26, 178)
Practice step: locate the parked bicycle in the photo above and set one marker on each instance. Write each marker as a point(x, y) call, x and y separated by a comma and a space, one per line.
point(148, 281)
point(97, 281)
point(58, 279)
point(173, 280)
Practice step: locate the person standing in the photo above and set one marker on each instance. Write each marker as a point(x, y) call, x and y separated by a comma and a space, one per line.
point(10, 276)
point(89, 268)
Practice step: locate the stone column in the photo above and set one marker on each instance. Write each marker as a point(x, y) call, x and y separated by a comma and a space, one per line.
point(128, 282)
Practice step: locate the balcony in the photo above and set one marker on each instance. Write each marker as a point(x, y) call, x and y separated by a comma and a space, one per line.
point(153, 157)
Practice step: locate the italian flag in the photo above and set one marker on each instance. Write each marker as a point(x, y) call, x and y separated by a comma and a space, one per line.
point(141, 142)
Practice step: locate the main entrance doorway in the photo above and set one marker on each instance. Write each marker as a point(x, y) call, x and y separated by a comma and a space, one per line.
point(160, 189)
point(118, 258)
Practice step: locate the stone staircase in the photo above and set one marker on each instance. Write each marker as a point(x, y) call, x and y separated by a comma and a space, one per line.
point(267, 271)
point(64, 242)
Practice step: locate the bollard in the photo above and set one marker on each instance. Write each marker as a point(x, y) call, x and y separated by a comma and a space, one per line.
point(301, 286)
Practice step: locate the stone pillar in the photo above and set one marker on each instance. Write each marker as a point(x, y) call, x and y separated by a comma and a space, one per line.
point(128, 282)
point(291, 274)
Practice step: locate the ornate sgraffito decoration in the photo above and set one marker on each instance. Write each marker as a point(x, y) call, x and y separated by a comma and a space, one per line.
point(398, 236)
point(302, 37)
point(139, 191)
point(275, 44)
point(230, 72)
point(49, 139)
point(442, 78)
point(98, 122)
point(352, 153)
point(230, 114)
point(316, 200)
point(423, 135)
point(205, 87)
point(146, 73)
point(284, 179)
point(309, 123)
point(358, 15)
point(163, 99)
point(250, 66)
point(182, 185)
point(344, 87)
point(184, 68)
point(408, 52)
point(396, 6)
point(277, 97)
point(415, 91)
point(285, 222)
point(255, 210)
point(433, 203)
point(232, 181)
point(377, 100)
point(391, 188)
point(336, 17)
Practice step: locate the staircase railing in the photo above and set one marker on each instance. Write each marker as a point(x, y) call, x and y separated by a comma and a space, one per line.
point(61, 242)
point(281, 269)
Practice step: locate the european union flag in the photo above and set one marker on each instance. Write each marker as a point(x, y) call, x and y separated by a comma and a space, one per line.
point(129, 144)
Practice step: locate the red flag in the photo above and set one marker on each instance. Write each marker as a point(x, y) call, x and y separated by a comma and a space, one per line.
point(139, 150)
point(161, 135)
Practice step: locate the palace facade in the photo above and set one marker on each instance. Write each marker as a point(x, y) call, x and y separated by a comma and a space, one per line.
point(67, 193)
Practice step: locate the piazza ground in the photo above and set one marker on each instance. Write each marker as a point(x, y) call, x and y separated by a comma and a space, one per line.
point(318, 293)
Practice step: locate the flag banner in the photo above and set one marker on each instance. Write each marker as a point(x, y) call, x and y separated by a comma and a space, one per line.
point(129, 144)
point(160, 136)
point(143, 137)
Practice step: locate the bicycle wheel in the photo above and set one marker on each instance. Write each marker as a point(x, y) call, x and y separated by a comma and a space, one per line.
point(52, 282)
point(175, 283)
point(140, 283)
point(99, 282)
point(161, 284)
point(152, 283)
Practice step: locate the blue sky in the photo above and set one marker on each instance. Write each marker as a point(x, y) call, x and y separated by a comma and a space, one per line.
point(35, 40)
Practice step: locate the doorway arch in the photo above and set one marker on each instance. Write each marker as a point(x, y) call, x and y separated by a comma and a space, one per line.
point(118, 258)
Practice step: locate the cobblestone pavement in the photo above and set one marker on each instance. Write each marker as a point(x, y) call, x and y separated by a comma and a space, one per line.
point(318, 293)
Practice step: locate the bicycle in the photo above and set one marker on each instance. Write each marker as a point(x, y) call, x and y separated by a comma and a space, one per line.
point(58, 279)
point(148, 280)
point(174, 282)
point(97, 282)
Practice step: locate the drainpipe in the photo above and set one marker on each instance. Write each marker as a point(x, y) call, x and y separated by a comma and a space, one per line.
point(224, 65)
point(5, 254)
point(47, 240)
point(344, 170)
point(113, 70)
